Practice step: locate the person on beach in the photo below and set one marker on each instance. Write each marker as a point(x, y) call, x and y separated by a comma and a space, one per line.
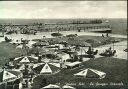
point(102, 35)
point(107, 34)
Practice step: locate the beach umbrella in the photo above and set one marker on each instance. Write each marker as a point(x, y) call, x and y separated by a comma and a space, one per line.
point(67, 87)
point(26, 59)
point(91, 73)
point(9, 75)
point(51, 86)
point(46, 68)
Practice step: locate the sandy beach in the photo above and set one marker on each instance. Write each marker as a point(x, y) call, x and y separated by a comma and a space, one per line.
point(48, 35)
point(119, 47)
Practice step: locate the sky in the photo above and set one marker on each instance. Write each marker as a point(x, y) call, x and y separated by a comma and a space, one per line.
point(63, 9)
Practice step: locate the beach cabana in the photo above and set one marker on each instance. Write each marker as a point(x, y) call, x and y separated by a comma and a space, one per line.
point(46, 68)
point(26, 59)
point(73, 64)
point(91, 73)
point(51, 86)
point(63, 56)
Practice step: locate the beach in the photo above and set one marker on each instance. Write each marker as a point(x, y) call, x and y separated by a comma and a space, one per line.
point(48, 35)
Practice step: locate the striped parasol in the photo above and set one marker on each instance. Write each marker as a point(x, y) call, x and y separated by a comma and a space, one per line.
point(26, 59)
point(46, 68)
point(91, 73)
point(9, 75)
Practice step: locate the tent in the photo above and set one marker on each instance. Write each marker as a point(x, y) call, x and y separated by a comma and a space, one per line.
point(9, 75)
point(46, 68)
point(26, 59)
point(51, 86)
point(91, 73)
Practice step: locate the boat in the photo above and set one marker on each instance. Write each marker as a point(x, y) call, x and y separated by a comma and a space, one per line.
point(108, 53)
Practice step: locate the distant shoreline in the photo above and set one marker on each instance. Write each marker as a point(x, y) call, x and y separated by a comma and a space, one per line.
point(119, 25)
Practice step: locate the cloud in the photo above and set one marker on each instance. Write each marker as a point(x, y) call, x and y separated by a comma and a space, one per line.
point(63, 9)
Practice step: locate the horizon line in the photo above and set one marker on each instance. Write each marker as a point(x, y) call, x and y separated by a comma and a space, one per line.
point(66, 18)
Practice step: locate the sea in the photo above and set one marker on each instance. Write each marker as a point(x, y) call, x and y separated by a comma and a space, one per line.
point(118, 26)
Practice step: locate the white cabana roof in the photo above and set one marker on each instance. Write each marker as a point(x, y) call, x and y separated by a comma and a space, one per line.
point(92, 73)
point(63, 56)
point(51, 86)
point(55, 64)
point(67, 87)
point(73, 64)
